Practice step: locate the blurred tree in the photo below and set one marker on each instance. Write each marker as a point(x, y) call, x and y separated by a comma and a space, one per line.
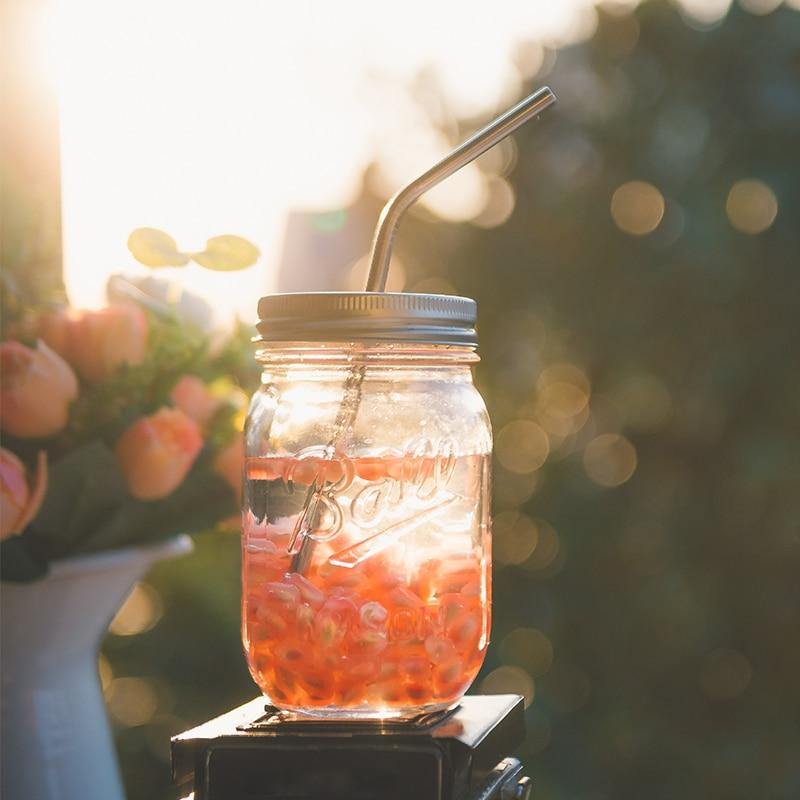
point(638, 315)
point(649, 267)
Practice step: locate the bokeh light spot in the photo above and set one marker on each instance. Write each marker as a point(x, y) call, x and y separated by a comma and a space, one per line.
point(751, 206)
point(547, 551)
point(528, 58)
point(563, 400)
point(514, 537)
point(512, 489)
point(563, 373)
point(500, 159)
point(460, 198)
point(609, 460)
point(637, 207)
point(522, 446)
point(725, 674)
point(499, 205)
point(561, 408)
point(357, 277)
point(509, 680)
point(132, 701)
point(760, 7)
point(139, 613)
point(560, 427)
point(528, 648)
point(704, 15)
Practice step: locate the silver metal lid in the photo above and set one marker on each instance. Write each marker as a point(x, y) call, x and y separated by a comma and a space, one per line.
point(367, 317)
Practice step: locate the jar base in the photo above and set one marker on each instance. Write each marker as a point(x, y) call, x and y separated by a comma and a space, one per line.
point(364, 716)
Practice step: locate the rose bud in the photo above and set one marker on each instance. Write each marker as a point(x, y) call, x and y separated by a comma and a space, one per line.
point(229, 463)
point(19, 503)
point(38, 386)
point(155, 453)
point(192, 397)
point(55, 328)
point(101, 341)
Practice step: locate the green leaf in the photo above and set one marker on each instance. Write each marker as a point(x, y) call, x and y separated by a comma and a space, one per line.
point(84, 489)
point(227, 254)
point(88, 508)
point(202, 500)
point(154, 248)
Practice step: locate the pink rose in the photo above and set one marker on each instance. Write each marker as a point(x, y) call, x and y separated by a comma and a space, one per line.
point(18, 503)
point(229, 463)
point(99, 342)
point(55, 328)
point(38, 386)
point(192, 397)
point(156, 452)
point(103, 340)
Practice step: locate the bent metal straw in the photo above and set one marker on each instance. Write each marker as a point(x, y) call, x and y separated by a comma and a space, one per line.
point(301, 544)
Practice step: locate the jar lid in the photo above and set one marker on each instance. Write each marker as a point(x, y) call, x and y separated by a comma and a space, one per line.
point(367, 317)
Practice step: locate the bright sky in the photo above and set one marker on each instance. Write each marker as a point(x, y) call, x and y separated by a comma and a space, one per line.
point(205, 118)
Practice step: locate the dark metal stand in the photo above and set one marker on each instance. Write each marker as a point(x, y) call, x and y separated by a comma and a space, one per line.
point(253, 753)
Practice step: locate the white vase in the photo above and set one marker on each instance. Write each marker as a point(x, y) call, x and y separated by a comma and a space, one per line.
point(56, 740)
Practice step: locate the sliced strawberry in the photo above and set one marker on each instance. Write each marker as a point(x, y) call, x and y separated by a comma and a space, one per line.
point(368, 643)
point(455, 574)
point(310, 593)
point(419, 692)
point(373, 616)
point(464, 632)
point(403, 597)
point(281, 594)
point(270, 625)
point(333, 621)
point(439, 649)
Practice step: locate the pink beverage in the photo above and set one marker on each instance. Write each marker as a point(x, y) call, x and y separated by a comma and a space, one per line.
point(366, 531)
point(366, 544)
point(392, 606)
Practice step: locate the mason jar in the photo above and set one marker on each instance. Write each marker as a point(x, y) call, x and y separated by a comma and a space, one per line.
point(366, 534)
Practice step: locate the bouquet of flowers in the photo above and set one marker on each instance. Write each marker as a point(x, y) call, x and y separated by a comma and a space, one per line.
point(120, 426)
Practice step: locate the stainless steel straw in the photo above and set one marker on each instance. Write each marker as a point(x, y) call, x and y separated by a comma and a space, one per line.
point(476, 145)
point(301, 543)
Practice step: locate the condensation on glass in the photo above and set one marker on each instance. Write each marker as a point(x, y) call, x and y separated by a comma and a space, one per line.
point(366, 532)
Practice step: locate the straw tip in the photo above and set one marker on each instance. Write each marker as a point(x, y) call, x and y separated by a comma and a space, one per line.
point(549, 93)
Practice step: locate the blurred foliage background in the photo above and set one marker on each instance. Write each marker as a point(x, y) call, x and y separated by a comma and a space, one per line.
point(636, 275)
point(640, 307)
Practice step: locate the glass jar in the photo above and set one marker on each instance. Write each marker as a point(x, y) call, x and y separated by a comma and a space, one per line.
point(366, 531)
